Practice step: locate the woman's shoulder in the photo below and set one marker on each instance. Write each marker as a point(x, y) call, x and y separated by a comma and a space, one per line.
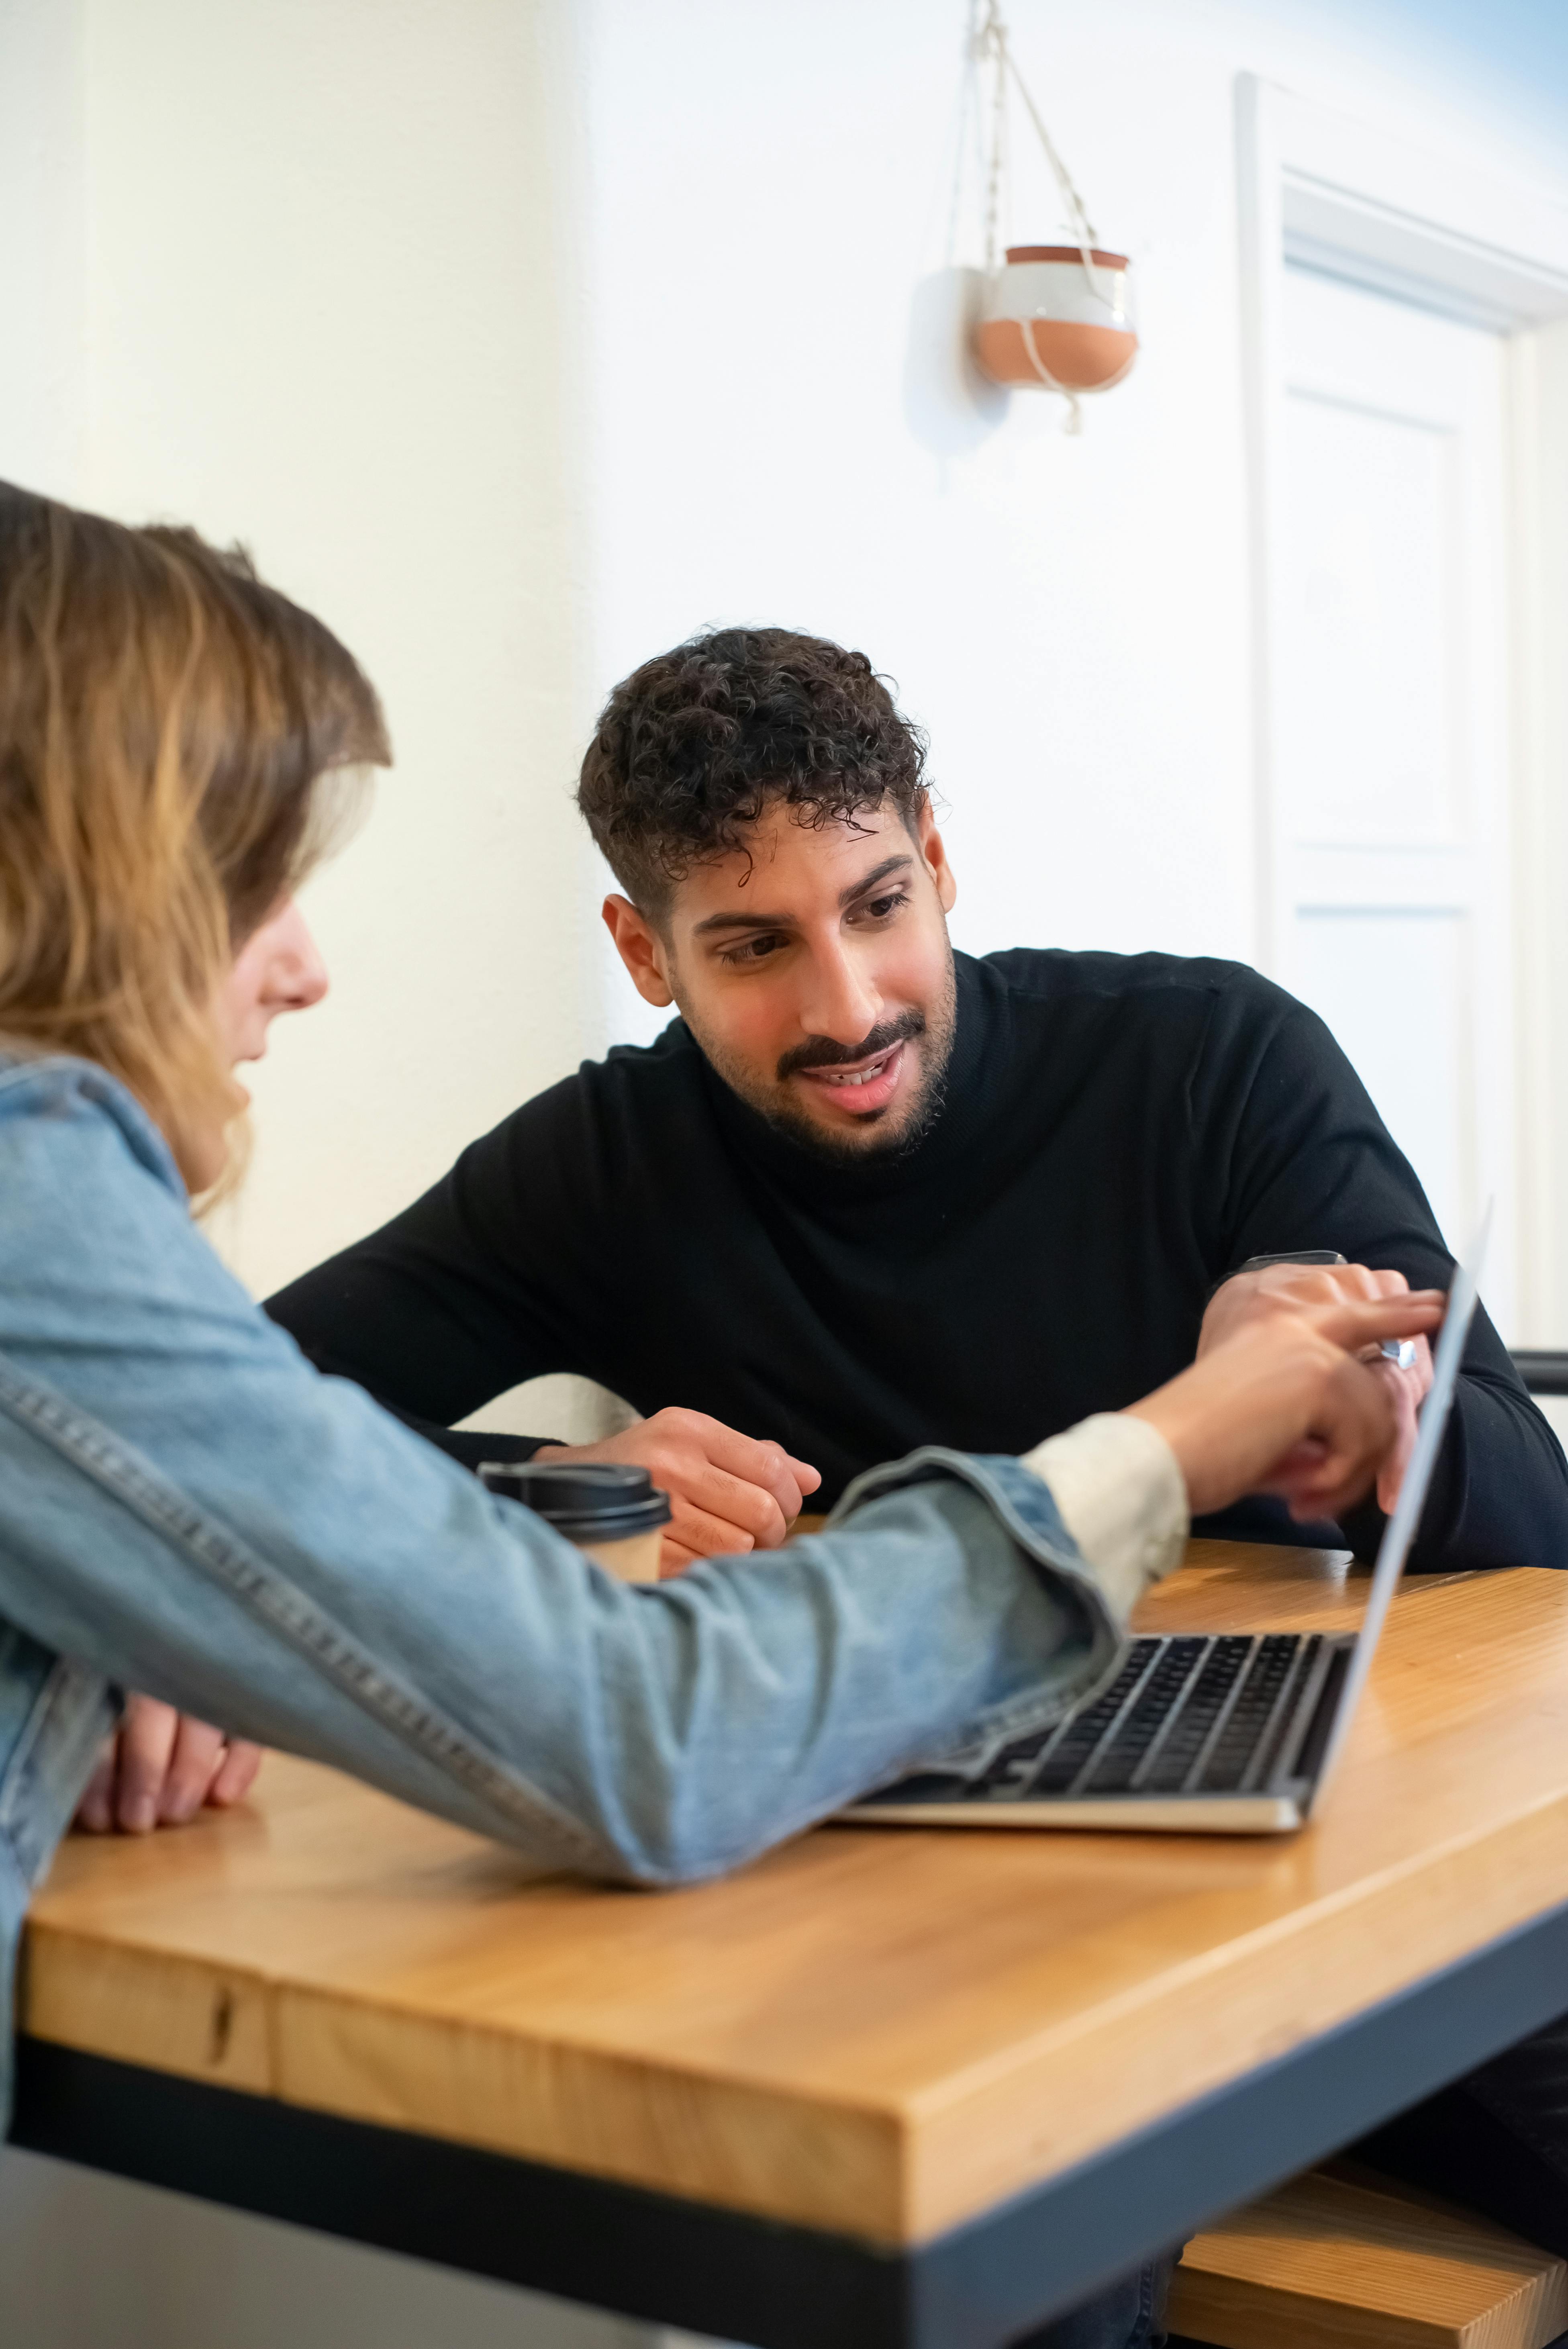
point(54, 1106)
point(94, 1205)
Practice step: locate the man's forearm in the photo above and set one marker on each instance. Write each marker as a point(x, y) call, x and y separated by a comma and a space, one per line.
point(469, 1445)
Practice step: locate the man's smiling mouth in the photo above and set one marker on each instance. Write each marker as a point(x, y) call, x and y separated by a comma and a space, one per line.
point(869, 1085)
point(855, 1076)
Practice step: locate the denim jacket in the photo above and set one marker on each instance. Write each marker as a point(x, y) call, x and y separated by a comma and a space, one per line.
point(187, 1507)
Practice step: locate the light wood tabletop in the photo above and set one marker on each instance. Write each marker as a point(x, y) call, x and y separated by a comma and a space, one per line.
point(880, 2031)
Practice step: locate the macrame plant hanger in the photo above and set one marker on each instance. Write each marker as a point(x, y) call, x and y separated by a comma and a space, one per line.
point(992, 50)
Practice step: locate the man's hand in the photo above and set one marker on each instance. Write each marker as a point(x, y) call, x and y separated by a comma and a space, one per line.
point(1251, 1298)
point(160, 1767)
point(728, 1492)
point(1287, 1404)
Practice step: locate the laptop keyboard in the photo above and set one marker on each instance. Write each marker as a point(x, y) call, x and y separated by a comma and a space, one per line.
point(1185, 1715)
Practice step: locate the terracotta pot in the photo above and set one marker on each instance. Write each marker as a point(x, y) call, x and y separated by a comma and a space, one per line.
point(1081, 326)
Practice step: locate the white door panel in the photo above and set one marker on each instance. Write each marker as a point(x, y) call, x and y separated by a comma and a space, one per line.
point(1415, 1057)
point(1390, 816)
point(1366, 750)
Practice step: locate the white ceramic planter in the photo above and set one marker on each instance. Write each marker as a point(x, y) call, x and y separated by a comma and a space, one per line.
point(1081, 327)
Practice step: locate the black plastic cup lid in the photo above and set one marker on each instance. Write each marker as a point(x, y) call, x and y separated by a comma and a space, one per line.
point(586, 1500)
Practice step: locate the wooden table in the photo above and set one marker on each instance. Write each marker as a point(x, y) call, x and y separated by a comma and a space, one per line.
point(887, 2087)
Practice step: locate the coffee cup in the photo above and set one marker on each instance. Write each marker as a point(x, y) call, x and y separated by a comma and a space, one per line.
point(614, 1513)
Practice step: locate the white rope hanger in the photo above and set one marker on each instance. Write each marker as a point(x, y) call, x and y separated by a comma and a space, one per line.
point(992, 47)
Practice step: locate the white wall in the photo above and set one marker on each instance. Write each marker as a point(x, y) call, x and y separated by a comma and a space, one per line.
point(780, 433)
point(324, 303)
point(1540, 388)
point(521, 337)
point(773, 237)
point(43, 229)
point(300, 272)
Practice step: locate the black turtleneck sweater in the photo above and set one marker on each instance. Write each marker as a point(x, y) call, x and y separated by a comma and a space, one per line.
point(1118, 1134)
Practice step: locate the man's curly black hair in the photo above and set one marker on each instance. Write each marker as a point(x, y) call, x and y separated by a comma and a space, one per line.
point(694, 745)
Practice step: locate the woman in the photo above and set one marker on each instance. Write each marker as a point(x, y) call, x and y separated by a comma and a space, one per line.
point(186, 1507)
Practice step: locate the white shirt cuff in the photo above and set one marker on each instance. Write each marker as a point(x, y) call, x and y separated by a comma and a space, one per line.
point(1121, 1497)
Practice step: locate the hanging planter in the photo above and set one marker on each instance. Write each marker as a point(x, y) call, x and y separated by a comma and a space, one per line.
point(1059, 316)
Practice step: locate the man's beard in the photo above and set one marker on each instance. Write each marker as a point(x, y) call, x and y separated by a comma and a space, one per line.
point(870, 1136)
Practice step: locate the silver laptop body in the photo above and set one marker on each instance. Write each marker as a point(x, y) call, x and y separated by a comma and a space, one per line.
point(1231, 1733)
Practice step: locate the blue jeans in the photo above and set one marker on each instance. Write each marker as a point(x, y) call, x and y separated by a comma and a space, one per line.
point(1496, 2140)
point(1128, 2314)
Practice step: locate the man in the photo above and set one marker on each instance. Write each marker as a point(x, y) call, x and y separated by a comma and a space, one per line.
point(865, 1193)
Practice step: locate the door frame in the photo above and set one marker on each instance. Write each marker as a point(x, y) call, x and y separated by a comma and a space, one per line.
point(1450, 233)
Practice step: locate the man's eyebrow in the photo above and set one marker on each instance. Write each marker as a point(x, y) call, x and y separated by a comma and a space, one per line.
point(739, 922)
point(761, 921)
point(889, 865)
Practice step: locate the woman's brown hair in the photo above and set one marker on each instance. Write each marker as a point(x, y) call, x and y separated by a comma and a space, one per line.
point(166, 722)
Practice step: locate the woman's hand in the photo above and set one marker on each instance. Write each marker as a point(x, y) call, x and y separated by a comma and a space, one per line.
point(1285, 1403)
point(1253, 1297)
point(160, 1767)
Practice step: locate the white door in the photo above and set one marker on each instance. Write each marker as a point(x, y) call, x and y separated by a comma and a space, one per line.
point(1391, 775)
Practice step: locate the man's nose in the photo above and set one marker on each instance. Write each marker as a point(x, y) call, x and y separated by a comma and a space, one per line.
point(839, 1001)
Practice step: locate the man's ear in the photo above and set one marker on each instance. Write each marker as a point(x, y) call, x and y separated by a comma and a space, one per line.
point(641, 949)
point(933, 848)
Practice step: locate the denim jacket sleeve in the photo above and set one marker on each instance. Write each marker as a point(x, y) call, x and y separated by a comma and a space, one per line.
point(187, 1507)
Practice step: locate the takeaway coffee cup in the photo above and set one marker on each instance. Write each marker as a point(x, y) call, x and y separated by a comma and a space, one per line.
point(616, 1514)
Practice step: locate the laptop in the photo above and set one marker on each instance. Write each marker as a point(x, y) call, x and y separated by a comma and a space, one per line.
point(1235, 1733)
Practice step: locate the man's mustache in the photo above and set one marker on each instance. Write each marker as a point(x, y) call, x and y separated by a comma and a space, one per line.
point(822, 1052)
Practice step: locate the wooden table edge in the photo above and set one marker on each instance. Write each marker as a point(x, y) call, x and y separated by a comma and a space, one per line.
point(736, 2275)
point(924, 2166)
